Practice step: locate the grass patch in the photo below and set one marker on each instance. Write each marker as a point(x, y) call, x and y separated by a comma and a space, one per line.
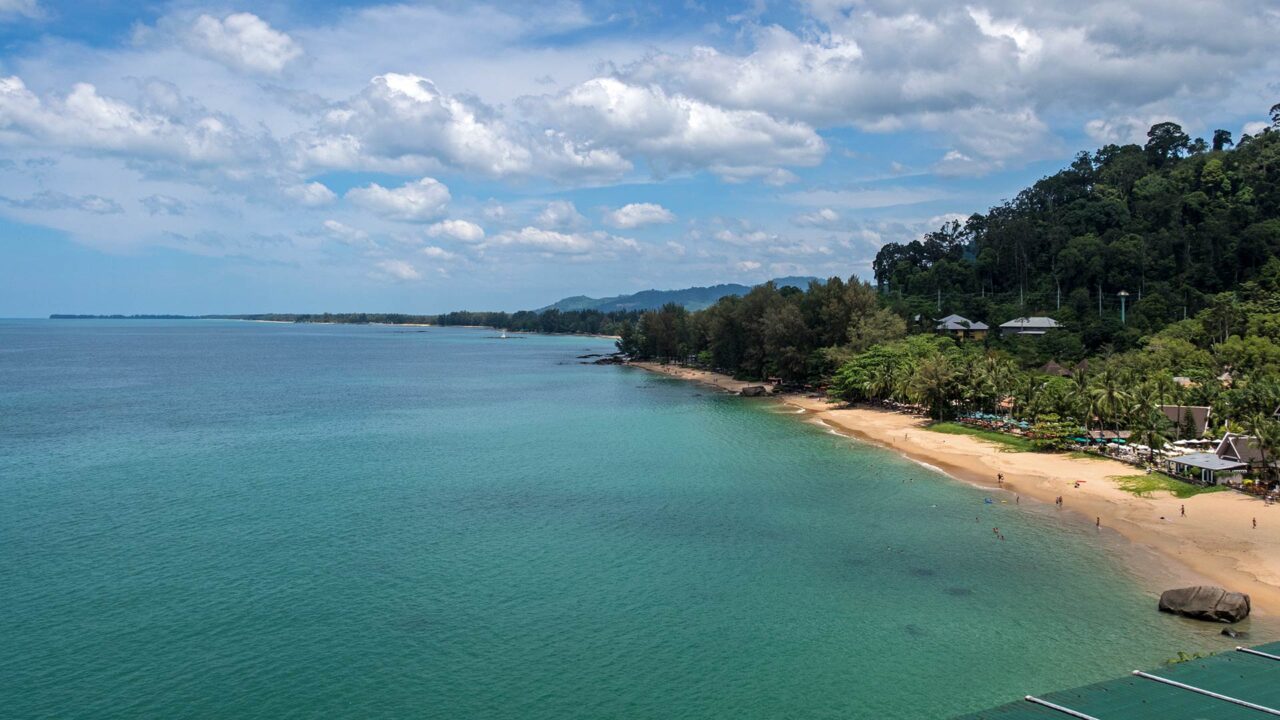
point(1144, 485)
point(1011, 443)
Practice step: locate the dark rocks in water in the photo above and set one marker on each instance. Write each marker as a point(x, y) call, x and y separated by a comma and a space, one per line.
point(1206, 602)
point(753, 391)
point(1233, 633)
point(615, 359)
point(590, 355)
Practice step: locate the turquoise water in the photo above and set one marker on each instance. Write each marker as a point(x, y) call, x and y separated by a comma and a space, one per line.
point(244, 520)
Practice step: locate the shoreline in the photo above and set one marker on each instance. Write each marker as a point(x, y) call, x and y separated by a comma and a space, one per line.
point(1214, 543)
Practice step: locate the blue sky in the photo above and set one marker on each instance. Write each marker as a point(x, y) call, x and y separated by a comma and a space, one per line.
point(197, 157)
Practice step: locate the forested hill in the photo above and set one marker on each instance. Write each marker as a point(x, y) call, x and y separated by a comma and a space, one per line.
point(1171, 223)
point(694, 298)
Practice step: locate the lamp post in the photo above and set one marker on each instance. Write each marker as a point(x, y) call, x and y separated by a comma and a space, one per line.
point(1123, 294)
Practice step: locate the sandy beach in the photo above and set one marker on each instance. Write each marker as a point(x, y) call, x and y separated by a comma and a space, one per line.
point(1215, 542)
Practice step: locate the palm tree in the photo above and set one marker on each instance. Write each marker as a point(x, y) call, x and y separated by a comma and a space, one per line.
point(934, 384)
point(1109, 398)
point(1266, 435)
point(1151, 428)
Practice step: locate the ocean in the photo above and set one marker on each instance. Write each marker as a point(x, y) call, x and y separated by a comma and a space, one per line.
point(209, 519)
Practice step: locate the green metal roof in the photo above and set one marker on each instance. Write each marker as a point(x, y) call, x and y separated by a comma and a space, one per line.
point(1240, 684)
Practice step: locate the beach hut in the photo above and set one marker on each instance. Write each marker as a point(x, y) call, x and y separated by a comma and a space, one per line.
point(1178, 415)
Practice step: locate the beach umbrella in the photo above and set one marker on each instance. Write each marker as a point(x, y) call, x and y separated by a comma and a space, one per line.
point(1119, 441)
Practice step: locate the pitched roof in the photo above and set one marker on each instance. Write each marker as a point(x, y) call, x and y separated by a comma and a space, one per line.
point(1199, 415)
point(1244, 448)
point(956, 322)
point(1032, 323)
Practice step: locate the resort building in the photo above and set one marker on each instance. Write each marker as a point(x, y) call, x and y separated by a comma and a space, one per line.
point(1235, 455)
point(1242, 449)
point(962, 328)
point(1029, 326)
point(1207, 468)
point(1178, 414)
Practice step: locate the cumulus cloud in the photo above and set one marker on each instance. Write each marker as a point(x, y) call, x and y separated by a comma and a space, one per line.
point(463, 230)
point(165, 128)
point(398, 270)
point(312, 194)
point(560, 215)
point(677, 132)
point(243, 41)
point(424, 199)
point(404, 122)
point(635, 215)
point(562, 243)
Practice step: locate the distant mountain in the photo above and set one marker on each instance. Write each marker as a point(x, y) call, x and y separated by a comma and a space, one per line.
point(695, 298)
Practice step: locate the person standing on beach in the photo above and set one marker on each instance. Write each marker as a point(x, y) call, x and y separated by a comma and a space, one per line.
point(1255, 523)
point(1183, 509)
point(1098, 523)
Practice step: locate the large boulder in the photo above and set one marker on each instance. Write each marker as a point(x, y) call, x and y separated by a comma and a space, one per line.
point(753, 391)
point(1206, 602)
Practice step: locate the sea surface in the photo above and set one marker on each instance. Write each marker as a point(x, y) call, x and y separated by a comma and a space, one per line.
point(208, 519)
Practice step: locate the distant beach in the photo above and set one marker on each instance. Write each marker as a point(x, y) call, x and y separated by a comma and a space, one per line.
point(1215, 541)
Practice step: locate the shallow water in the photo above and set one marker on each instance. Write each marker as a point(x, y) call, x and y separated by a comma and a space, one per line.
point(241, 520)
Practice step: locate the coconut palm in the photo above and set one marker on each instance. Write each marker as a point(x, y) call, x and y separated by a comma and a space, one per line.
point(934, 384)
point(1110, 400)
point(1266, 436)
point(1151, 428)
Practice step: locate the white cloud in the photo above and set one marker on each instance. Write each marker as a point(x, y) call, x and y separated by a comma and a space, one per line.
point(463, 230)
point(747, 266)
point(438, 253)
point(593, 245)
point(346, 234)
point(823, 217)
point(398, 270)
point(676, 132)
point(560, 215)
point(10, 9)
point(243, 41)
point(312, 194)
point(1123, 129)
point(424, 199)
point(54, 200)
point(402, 122)
point(550, 241)
point(167, 129)
point(635, 215)
point(1253, 128)
point(163, 205)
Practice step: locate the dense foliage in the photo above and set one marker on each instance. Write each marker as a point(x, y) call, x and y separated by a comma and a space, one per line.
point(1173, 224)
point(1190, 232)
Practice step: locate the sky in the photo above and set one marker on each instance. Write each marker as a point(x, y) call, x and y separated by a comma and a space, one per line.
point(289, 156)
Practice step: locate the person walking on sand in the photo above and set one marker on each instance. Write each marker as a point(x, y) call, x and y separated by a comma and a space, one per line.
point(1098, 523)
point(1255, 523)
point(999, 478)
point(1183, 509)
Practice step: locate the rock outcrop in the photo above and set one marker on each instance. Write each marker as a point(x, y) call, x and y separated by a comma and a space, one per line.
point(753, 391)
point(1206, 602)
